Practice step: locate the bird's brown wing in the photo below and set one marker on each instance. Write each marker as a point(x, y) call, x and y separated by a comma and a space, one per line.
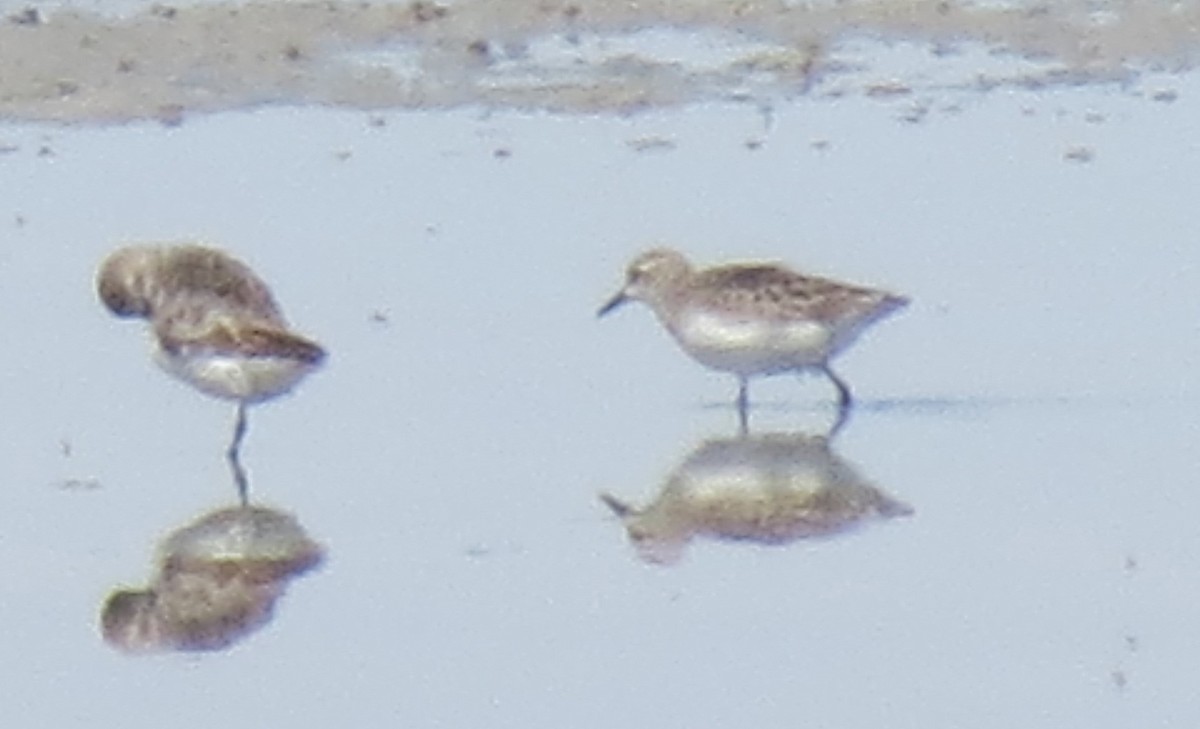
point(238, 338)
point(774, 291)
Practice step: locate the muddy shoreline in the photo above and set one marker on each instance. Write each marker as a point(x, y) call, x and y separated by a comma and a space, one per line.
point(164, 62)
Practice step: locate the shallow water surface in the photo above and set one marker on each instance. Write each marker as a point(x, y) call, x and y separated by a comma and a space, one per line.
point(1034, 408)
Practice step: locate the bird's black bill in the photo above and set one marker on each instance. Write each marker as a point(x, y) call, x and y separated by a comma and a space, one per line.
point(620, 508)
point(613, 303)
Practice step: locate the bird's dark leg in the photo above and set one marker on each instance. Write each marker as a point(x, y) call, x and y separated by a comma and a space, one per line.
point(743, 406)
point(845, 401)
point(234, 455)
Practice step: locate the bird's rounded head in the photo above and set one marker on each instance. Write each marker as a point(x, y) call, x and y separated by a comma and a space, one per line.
point(650, 277)
point(124, 281)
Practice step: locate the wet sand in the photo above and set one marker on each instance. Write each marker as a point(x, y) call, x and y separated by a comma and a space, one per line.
point(165, 62)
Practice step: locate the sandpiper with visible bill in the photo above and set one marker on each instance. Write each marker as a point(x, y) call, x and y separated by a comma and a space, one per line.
point(214, 325)
point(754, 319)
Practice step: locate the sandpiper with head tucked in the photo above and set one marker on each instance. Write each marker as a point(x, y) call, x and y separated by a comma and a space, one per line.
point(754, 319)
point(214, 323)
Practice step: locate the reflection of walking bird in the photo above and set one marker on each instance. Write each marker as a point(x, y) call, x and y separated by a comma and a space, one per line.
point(755, 319)
point(215, 325)
point(218, 581)
point(770, 489)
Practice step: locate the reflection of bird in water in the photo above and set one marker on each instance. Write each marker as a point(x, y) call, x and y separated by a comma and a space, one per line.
point(754, 319)
point(215, 326)
point(769, 489)
point(218, 580)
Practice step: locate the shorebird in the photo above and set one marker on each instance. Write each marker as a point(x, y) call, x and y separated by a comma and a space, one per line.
point(754, 319)
point(214, 325)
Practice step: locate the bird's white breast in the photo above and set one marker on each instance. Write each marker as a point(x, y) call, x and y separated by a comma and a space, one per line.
point(748, 346)
point(248, 379)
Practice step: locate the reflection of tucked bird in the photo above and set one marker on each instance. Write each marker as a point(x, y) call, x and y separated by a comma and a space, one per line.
point(218, 581)
point(754, 319)
point(769, 489)
point(215, 325)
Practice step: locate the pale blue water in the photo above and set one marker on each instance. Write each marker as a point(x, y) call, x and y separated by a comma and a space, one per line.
point(1034, 406)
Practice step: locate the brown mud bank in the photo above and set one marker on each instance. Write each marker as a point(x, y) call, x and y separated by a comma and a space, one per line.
point(570, 56)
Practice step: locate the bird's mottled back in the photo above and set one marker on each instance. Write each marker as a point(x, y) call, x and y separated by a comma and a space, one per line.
point(196, 270)
point(149, 281)
point(773, 292)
